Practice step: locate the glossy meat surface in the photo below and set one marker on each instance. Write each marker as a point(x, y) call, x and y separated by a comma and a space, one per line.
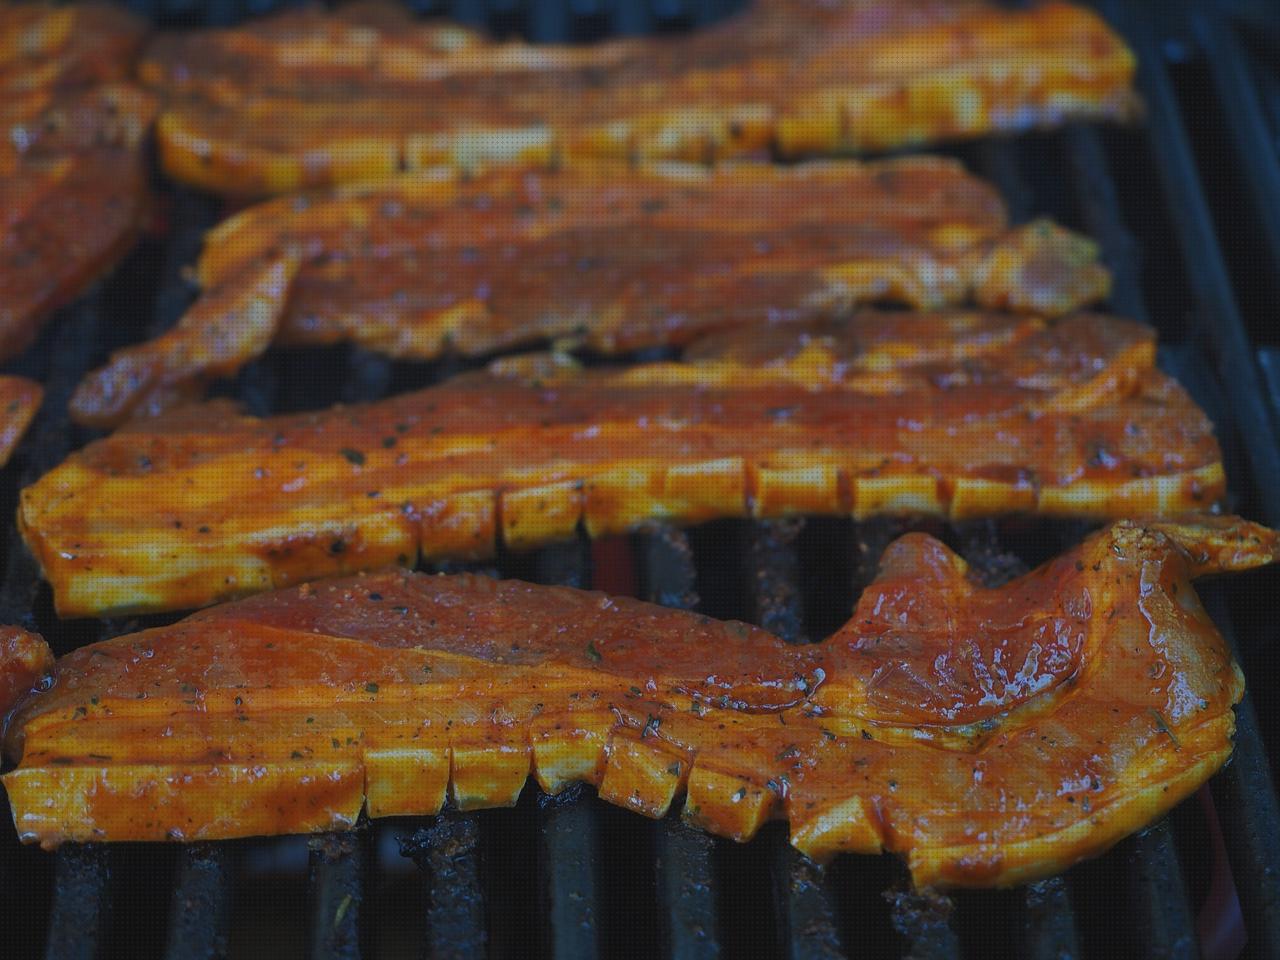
point(73, 174)
point(989, 736)
point(958, 415)
point(302, 99)
point(610, 259)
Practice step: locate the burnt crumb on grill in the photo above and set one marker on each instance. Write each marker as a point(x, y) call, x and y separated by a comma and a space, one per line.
point(450, 839)
point(335, 846)
point(923, 918)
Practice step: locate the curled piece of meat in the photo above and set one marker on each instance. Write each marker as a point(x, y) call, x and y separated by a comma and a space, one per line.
point(223, 330)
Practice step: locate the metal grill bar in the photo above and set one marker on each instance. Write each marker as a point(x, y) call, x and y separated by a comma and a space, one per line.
point(775, 569)
point(1255, 151)
point(336, 881)
point(1049, 927)
point(78, 917)
point(570, 834)
point(570, 825)
point(200, 912)
point(1249, 812)
point(1246, 805)
point(1161, 915)
point(809, 923)
point(450, 851)
point(686, 885)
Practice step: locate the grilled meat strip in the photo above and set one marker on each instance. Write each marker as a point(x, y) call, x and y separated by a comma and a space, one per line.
point(305, 99)
point(959, 415)
point(224, 330)
point(611, 259)
point(989, 736)
point(73, 175)
point(19, 400)
point(45, 48)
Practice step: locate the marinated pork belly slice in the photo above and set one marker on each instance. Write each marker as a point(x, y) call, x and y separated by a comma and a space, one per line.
point(305, 100)
point(71, 205)
point(956, 415)
point(73, 174)
point(989, 736)
point(610, 259)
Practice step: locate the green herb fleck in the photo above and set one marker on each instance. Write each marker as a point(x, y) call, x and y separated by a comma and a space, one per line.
point(341, 912)
point(593, 653)
point(355, 456)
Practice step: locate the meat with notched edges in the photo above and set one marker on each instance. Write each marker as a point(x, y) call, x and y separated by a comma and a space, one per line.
point(958, 415)
point(73, 173)
point(611, 259)
point(989, 736)
point(306, 99)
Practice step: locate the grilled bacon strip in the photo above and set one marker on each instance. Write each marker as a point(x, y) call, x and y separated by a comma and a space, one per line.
point(305, 100)
point(989, 736)
point(73, 175)
point(614, 260)
point(959, 415)
point(45, 47)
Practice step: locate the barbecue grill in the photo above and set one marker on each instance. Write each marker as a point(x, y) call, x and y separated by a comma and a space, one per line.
point(1186, 208)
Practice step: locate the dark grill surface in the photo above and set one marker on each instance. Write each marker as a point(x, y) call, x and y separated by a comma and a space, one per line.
point(1187, 209)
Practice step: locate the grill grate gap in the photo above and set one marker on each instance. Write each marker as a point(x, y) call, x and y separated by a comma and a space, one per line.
point(132, 925)
point(268, 915)
point(509, 851)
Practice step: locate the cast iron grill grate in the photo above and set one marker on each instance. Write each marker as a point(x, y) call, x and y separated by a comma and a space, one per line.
point(1187, 210)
